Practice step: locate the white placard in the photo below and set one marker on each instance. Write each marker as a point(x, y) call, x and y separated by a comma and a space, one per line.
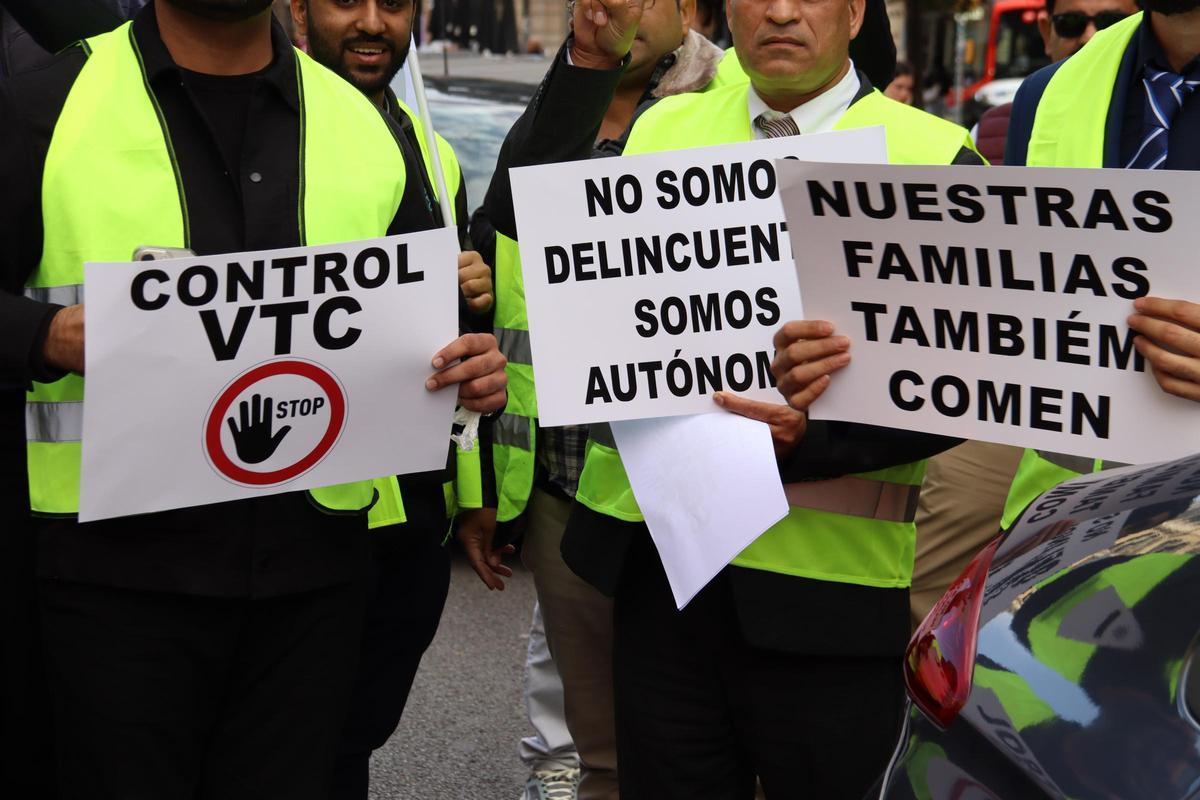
point(991, 303)
point(701, 517)
point(652, 281)
point(235, 376)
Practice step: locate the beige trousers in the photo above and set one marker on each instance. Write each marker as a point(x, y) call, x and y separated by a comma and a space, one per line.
point(962, 501)
point(579, 630)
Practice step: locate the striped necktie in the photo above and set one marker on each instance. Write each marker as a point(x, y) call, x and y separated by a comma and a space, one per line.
point(1165, 93)
point(774, 124)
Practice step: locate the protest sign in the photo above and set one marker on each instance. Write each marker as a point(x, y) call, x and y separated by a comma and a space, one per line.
point(234, 376)
point(991, 303)
point(701, 517)
point(653, 281)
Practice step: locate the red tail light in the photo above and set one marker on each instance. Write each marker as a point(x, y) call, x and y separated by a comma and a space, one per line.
point(941, 656)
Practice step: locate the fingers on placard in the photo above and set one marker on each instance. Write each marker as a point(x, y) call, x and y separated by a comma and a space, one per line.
point(801, 399)
point(480, 302)
point(1181, 366)
point(1178, 387)
point(486, 386)
point(801, 329)
point(485, 405)
point(462, 372)
point(1181, 311)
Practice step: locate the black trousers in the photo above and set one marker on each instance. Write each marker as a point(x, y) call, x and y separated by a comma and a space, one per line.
point(26, 743)
point(701, 714)
point(26, 738)
point(180, 697)
point(410, 577)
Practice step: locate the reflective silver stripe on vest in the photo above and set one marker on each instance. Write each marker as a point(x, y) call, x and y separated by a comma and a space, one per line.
point(514, 344)
point(511, 430)
point(54, 422)
point(856, 497)
point(601, 433)
point(58, 295)
point(1073, 463)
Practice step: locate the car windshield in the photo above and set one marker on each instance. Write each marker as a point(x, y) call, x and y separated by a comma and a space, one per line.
point(474, 116)
point(476, 128)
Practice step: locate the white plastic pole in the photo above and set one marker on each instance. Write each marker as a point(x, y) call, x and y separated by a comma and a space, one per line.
point(435, 157)
point(468, 419)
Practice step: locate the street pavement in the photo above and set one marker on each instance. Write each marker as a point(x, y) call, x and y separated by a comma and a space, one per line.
point(458, 738)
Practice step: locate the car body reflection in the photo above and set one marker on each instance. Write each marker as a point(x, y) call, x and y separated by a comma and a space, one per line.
point(1081, 678)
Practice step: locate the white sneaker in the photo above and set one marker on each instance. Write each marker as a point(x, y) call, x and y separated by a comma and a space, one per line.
point(552, 784)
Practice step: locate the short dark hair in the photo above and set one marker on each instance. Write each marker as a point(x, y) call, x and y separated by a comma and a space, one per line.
point(904, 68)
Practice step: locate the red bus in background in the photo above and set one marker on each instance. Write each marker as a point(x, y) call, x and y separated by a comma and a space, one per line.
point(1002, 47)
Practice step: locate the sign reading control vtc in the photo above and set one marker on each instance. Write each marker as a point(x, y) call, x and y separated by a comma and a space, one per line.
point(274, 422)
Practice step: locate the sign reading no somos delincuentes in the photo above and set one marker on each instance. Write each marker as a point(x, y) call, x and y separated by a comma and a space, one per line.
point(654, 281)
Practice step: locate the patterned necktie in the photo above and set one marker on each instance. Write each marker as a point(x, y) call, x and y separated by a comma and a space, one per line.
point(774, 124)
point(1165, 93)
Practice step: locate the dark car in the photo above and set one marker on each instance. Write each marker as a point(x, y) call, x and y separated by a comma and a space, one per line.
point(1062, 662)
point(473, 115)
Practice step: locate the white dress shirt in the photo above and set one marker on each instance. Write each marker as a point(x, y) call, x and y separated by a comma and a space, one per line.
point(817, 115)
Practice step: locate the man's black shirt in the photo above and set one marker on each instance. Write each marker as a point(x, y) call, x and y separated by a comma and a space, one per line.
point(242, 190)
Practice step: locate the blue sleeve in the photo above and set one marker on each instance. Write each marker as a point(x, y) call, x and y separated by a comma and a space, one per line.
point(1020, 124)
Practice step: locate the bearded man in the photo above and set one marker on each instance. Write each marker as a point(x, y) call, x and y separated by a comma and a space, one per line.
point(203, 652)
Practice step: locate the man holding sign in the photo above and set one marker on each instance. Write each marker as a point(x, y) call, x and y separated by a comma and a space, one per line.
point(367, 43)
point(180, 641)
point(809, 622)
point(1126, 100)
point(585, 105)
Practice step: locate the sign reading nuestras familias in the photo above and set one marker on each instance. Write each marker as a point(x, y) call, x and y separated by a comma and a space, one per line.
point(233, 376)
point(653, 281)
point(992, 303)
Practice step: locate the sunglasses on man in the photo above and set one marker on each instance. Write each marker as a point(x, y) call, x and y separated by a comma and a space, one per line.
point(1072, 24)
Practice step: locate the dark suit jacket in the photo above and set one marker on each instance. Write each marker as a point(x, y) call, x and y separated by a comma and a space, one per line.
point(1030, 94)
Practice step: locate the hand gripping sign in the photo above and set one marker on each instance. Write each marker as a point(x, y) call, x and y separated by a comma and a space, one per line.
point(993, 303)
point(234, 376)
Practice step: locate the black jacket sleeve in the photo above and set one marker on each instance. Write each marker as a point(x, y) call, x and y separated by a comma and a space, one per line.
point(55, 24)
point(29, 107)
point(23, 322)
point(483, 237)
point(474, 321)
point(560, 124)
point(834, 449)
point(462, 214)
